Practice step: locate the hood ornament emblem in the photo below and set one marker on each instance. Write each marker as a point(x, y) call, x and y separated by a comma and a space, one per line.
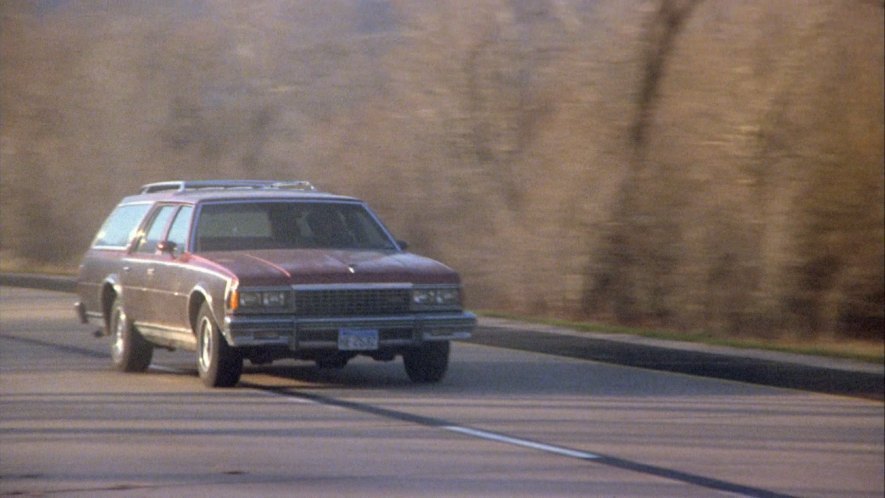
point(351, 268)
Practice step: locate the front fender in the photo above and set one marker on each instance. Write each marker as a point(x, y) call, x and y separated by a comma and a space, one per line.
point(214, 296)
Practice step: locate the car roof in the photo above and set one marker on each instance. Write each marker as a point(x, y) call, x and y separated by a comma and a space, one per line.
point(212, 190)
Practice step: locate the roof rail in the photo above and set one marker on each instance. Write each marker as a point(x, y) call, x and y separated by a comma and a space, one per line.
point(181, 186)
point(295, 185)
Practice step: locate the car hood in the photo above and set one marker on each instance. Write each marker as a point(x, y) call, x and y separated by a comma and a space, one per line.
point(314, 266)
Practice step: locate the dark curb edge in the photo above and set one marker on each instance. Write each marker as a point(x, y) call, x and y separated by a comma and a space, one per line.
point(37, 281)
point(821, 379)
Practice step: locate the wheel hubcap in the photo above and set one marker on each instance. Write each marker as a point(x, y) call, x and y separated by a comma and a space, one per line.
point(205, 344)
point(119, 336)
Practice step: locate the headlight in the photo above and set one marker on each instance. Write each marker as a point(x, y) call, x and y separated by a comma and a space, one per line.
point(274, 299)
point(262, 299)
point(436, 298)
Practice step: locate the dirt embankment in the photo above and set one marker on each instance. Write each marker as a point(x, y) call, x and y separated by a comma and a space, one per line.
point(689, 164)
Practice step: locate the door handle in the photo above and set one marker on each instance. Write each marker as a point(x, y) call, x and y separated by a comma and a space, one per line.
point(150, 272)
point(127, 268)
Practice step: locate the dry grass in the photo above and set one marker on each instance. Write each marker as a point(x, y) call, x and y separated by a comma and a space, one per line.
point(10, 263)
point(684, 165)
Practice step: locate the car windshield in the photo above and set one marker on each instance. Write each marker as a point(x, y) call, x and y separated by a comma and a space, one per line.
point(234, 226)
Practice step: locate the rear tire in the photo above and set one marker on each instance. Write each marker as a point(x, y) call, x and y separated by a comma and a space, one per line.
point(427, 363)
point(218, 364)
point(130, 352)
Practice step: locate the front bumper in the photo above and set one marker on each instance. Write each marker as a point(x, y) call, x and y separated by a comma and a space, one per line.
point(80, 309)
point(322, 333)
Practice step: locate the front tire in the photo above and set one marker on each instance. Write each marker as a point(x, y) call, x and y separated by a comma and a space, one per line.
point(427, 363)
point(218, 364)
point(130, 352)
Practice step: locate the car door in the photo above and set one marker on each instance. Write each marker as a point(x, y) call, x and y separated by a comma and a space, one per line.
point(172, 281)
point(140, 286)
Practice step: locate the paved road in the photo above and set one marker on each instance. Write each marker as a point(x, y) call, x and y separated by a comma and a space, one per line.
point(503, 423)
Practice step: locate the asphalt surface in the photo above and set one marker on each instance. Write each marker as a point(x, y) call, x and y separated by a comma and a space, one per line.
point(811, 373)
point(502, 423)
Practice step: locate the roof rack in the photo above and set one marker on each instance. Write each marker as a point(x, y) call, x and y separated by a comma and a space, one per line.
point(302, 185)
point(181, 186)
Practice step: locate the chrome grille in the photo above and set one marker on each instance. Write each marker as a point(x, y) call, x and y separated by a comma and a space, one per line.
point(352, 302)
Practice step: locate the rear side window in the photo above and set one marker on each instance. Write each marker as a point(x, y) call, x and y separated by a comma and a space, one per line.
point(120, 226)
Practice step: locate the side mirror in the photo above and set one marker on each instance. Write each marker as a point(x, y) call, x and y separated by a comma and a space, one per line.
point(403, 245)
point(167, 247)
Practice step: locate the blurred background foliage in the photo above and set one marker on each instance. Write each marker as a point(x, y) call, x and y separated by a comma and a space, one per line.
point(686, 164)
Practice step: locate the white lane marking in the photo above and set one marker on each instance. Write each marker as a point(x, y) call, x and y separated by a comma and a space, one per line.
point(491, 436)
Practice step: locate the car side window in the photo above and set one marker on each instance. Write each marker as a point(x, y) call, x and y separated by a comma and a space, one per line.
point(155, 230)
point(180, 228)
point(121, 225)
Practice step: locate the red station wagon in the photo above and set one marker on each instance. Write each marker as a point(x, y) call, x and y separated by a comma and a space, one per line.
point(263, 270)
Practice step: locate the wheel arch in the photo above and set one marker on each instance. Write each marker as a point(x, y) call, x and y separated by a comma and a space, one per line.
point(110, 289)
point(195, 302)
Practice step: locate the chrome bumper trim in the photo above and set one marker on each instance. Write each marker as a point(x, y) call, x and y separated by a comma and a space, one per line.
point(285, 330)
point(88, 317)
point(80, 309)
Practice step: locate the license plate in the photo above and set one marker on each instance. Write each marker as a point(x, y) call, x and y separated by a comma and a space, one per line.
point(358, 339)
